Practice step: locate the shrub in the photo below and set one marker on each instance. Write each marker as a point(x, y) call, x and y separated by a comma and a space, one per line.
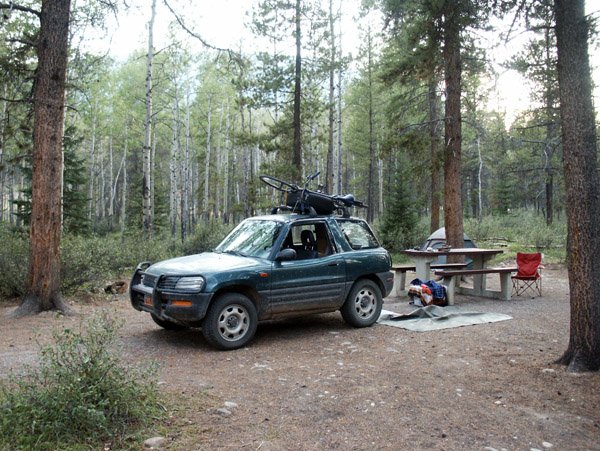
point(81, 393)
point(206, 237)
point(96, 259)
point(523, 231)
point(14, 261)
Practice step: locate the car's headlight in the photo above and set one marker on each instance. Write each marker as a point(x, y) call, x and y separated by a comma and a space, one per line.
point(190, 284)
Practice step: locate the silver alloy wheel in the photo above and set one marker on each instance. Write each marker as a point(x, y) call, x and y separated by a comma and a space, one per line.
point(365, 303)
point(233, 323)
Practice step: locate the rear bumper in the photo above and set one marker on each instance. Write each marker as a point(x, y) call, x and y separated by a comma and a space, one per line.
point(387, 282)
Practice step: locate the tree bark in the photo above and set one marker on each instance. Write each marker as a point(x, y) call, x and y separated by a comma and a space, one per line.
point(146, 166)
point(453, 216)
point(339, 117)
point(550, 127)
point(227, 168)
point(205, 203)
point(43, 287)
point(3, 171)
point(581, 183)
point(435, 157)
point(187, 181)
point(329, 170)
point(371, 175)
point(219, 158)
point(245, 167)
point(173, 171)
point(124, 199)
point(297, 157)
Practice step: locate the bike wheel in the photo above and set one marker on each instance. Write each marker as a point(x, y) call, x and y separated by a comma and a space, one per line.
point(279, 185)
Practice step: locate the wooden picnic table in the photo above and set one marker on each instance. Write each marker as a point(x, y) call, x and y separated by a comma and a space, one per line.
point(480, 258)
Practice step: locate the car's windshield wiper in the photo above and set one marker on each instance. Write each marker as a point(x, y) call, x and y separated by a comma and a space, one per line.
point(231, 251)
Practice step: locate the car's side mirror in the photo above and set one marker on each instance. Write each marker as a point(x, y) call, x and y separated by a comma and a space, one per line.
point(285, 255)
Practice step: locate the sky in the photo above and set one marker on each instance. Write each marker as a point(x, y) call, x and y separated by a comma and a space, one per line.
point(222, 24)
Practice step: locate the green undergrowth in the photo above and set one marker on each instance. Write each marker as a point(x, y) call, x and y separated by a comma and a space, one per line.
point(82, 395)
point(520, 231)
point(88, 261)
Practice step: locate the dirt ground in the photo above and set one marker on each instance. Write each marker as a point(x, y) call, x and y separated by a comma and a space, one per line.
point(315, 383)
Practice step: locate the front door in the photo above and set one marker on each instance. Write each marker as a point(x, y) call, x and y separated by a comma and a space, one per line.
point(316, 279)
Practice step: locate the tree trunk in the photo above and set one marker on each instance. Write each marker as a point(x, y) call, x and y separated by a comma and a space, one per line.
point(43, 287)
point(371, 175)
point(102, 186)
point(111, 205)
point(339, 114)
point(435, 157)
point(146, 167)
point(245, 168)
point(113, 190)
point(226, 166)
point(550, 126)
point(581, 183)
point(173, 171)
point(92, 169)
point(297, 157)
point(124, 199)
point(329, 171)
point(186, 182)
point(205, 204)
point(3, 171)
point(219, 158)
point(479, 183)
point(453, 215)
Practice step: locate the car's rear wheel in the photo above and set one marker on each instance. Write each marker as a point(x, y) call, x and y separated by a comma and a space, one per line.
point(168, 325)
point(230, 322)
point(363, 305)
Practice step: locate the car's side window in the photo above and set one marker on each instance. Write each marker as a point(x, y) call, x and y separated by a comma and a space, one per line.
point(358, 234)
point(309, 240)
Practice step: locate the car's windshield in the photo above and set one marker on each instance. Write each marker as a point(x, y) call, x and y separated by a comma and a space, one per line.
point(253, 238)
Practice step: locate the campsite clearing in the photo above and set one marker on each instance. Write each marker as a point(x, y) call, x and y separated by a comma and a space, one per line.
point(317, 383)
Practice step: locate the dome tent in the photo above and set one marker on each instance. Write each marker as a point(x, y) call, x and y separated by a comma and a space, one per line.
point(438, 239)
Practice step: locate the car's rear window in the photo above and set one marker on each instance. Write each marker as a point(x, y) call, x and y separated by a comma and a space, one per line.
point(358, 234)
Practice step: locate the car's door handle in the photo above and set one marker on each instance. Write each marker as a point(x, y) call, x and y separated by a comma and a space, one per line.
point(333, 264)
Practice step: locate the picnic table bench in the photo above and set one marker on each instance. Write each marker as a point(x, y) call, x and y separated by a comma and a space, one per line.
point(401, 270)
point(452, 282)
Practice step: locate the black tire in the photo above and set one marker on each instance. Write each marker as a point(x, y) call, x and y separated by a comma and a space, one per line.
point(279, 185)
point(168, 325)
point(363, 305)
point(230, 322)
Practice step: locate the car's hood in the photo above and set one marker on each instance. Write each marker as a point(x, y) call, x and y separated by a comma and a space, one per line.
point(204, 264)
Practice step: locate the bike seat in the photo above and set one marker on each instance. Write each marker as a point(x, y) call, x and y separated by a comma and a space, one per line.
point(348, 199)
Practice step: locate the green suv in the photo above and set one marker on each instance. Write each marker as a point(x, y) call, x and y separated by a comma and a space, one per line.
point(269, 267)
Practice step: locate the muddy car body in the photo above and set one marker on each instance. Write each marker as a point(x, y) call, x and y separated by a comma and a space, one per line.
point(269, 267)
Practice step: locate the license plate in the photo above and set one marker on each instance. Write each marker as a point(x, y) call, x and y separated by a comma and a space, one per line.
point(148, 300)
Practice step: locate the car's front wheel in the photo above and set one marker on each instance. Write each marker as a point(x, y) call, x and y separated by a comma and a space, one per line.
point(230, 321)
point(363, 305)
point(168, 325)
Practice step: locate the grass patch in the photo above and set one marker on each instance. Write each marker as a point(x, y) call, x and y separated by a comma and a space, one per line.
point(82, 394)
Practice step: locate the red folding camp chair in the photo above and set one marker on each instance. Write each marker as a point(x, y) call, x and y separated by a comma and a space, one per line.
point(529, 275)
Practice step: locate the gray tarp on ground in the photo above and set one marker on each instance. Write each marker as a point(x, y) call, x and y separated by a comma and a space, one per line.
point(434, 317)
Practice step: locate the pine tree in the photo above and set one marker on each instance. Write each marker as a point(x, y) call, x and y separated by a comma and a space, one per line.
point(399, 220)
point(75, 200)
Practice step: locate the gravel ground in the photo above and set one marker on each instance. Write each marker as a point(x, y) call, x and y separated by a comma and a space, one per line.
point(315, 383)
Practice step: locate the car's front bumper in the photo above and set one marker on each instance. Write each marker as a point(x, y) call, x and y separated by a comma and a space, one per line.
point(171, 305)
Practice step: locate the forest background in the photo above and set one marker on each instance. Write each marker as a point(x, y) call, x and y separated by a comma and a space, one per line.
point(222, 115)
